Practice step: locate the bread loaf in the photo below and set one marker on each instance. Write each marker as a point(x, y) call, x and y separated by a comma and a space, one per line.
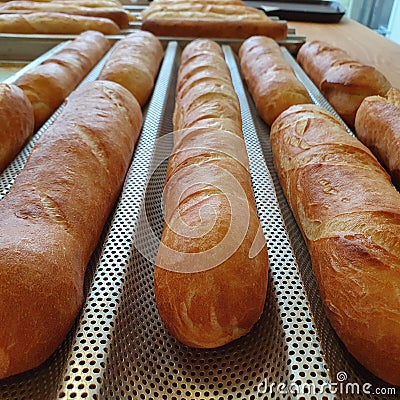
point(269, 78)
point(47, 85)
point(210, 278)
point(196, 26)
point(52, 218)
point(134, 63)
point(349, 213)
point(194, 2)
point(344, 81)
point(118, 15)
point(87, 3)
point(378, 127)
point(205, 94)
point(46, 22)
point(202, 19)
point(16, 122)
point(205, 10)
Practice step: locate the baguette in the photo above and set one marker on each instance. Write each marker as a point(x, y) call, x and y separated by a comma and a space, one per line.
point(134, 63)
point(210, 277)
point(205, 96)
point(216, 2)
point(344, 81)
point(378, 127)
point(16, 122)
point(45, 22)
point(118, 15)
point(87, 3)
point(349, 213)
point(52, 218)
point(269, 78)
point(202, 10)
point(197, 25)
point(47, 85)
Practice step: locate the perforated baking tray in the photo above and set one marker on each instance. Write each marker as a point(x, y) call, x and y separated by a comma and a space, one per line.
point(119, 348)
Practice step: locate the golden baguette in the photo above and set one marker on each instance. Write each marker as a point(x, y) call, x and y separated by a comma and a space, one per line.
point(378, 127)
point(118, 15)
point(349, 213)
point(134, 62)
point(47, 85)
point(201, 10)
point(210, 278)
point(46, 22)
point(199, 25)
point(269, 78)
point(344, 81)
point(52, 218)
point(16, 122)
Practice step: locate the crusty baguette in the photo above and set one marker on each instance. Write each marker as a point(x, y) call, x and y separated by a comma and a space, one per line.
point(47, 85)
point(46, 22)
point(378, 127)
point(118, 15)
point(269, 78)
point(52, 218)
point(16, 122)
point(134, 62)
point(349, 214)
point(216, 2)
point(199, 26)
point(210, 278)
point(202, 19)
point(197, 10)
point(87, 3)
point(205, 94)
point(344, 81)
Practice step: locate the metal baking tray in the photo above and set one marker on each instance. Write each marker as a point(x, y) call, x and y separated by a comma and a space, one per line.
point(119, 347)
point(302, 10)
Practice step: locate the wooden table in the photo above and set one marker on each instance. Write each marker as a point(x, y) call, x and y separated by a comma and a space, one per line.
point(361, 42)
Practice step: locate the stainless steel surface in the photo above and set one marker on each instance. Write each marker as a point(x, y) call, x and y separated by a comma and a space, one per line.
point(120, 349)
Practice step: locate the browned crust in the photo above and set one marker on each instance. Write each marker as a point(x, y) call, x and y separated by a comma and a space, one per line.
point(270, 79)
point(344, 81)
point(16, 121)
point(52, 218)
point(46, 22)
point(378, 127)
point(47, 85)
point(349, 214)
point(211, 270)
point(214, 28)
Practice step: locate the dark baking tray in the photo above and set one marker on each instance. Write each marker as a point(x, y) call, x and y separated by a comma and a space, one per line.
point(302, 10)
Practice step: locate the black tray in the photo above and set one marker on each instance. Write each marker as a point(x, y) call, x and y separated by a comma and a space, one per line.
point(302, 10)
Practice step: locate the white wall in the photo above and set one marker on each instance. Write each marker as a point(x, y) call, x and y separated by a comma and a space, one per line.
point(394, 23)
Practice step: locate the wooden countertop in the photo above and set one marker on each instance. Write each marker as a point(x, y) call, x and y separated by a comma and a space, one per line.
point(359, 41)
